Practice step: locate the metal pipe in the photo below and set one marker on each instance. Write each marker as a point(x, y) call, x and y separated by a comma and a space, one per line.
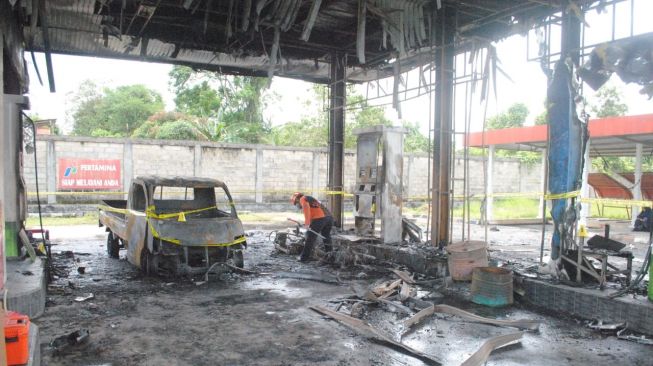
point(337, 135)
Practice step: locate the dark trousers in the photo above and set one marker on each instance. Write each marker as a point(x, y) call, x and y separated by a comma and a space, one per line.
point(323, 226)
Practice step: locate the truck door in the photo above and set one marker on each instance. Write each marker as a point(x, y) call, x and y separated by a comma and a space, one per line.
point(136, 223)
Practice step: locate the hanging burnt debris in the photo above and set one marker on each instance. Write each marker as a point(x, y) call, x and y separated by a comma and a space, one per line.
point(293, 38)
point(631, 59)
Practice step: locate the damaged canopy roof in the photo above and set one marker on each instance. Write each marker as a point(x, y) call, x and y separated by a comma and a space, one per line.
point(292, 38)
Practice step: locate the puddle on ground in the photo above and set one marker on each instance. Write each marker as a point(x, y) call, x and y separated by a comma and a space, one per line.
point(277, 286)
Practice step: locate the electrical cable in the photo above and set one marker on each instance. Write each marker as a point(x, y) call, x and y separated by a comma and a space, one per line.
point(36, 176)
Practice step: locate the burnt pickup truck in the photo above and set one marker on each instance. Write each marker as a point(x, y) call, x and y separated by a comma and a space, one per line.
point(174, 226)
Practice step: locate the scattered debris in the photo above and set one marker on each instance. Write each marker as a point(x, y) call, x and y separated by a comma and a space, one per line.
point(599, 325)
point(372, 333)
point(396, 305)
point(75, 338)
point(406, 292)
point(27, 273)
point(386, 289)
point(357, 310)
point(521, 324)
point(480, 357)
point(410, 230)
point(405, 276)
point(85, 297)
point(601, 242)
point(633, 338)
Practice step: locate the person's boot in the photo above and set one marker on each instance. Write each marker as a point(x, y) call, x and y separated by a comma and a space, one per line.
point(306, 253)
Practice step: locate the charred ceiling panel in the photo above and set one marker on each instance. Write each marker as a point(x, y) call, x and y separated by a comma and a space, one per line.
point(283, 37)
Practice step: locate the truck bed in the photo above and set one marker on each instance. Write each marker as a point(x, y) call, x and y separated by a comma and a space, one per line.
point(112, 216)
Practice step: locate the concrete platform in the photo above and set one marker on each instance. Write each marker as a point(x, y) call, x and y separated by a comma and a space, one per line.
point(26, 287)
point(590, 304)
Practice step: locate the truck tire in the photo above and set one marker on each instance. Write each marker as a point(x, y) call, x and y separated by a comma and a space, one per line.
point(238, 258)
point(113, 245)
point(149, 263)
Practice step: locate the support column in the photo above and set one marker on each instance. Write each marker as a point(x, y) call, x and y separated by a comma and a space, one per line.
point(197, 160)
point(337, 135)
point(127, 166)
point(3, 263)
point(12, 136)
point(637, 187)
point(51, 171)
point(315, 177)
point(444, 63)
point(585, 187)
point(543, 183)
point(258, 183)
point(489, 200)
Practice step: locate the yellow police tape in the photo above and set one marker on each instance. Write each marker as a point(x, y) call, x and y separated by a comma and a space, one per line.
point(550, 196)
point(181, 216)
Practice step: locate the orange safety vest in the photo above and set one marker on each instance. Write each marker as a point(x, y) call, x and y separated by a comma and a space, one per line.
point(312, 209)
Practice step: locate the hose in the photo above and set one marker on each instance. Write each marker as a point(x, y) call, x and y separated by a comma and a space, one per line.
point(36, 177)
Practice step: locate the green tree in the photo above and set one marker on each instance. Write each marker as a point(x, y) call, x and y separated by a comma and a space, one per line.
point(608, 103)
point(113, 112)
point(515, 116)
point(314, 131)
point(541, 119)
point(308, 132)
point(231, 107)
point(414, 140)
point(170, 126)
point(177, 130)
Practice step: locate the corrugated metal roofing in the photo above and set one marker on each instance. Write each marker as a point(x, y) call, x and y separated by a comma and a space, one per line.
point(237, 36)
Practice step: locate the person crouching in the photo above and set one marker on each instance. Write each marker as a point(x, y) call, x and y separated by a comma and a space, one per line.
point(317, 220)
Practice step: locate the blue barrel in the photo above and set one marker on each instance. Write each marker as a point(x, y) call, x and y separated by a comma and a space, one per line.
point(492, 286)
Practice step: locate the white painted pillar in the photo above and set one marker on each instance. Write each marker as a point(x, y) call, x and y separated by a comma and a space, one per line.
point(489, 201)
point(543, 178)
point(127, 167)
point(3, 261)
point(637, 187)
point(315, 174)
point(585, 187)
point(51, 170)
point(259, 176)
point(197, 160)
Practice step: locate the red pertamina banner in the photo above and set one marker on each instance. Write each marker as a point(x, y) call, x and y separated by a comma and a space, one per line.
point(89, 174)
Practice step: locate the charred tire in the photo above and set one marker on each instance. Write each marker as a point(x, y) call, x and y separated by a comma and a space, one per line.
point(238, 258)
point(113, 245)
point(149, 263)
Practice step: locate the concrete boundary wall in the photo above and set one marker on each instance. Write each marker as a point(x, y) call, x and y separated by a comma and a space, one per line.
point(254, 173)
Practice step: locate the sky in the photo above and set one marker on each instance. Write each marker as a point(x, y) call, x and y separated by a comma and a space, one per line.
point(290, 97)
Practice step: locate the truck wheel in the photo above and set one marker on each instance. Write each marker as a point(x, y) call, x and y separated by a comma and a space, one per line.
point(149, 263)
point(113, 245)
point(238, 259)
